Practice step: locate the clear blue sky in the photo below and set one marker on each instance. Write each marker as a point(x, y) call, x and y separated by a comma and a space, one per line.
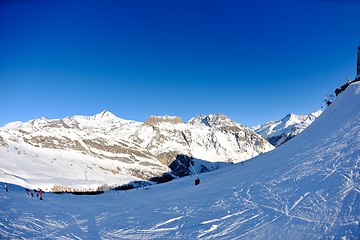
point(254, 61)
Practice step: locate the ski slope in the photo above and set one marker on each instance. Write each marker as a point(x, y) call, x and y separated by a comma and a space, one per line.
point(308, 188)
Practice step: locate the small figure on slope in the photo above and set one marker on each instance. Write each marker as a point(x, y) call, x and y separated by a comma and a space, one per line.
point(40, 192)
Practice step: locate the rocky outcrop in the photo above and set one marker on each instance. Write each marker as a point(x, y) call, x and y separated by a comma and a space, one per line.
point(154, 120)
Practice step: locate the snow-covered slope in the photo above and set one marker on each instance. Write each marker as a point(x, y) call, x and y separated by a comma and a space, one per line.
point(278, 132)
point(308, 188)
point(88, 152)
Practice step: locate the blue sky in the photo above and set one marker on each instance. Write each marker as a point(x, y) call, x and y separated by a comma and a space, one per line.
point(254, 61)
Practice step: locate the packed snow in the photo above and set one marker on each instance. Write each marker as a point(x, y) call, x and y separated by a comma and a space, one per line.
point(308, 188)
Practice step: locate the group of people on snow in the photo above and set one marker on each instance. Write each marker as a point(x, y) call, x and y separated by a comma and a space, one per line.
point(39, 193)
point(29, 192)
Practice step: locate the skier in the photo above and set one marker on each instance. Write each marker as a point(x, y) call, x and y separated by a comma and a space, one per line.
point(6, 188)
point(40, 193)
point(29, 192)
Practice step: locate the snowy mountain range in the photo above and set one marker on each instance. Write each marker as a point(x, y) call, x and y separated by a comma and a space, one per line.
point(309, 188)
point(281, 131)
point(103, 151)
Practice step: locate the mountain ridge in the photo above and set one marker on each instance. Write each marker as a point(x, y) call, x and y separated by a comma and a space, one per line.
point(281, 131)
point(126, 149)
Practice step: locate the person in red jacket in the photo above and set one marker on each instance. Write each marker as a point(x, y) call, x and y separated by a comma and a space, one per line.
point(40, 192)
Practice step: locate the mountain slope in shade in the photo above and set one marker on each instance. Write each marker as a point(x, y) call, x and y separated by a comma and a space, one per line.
point(308, 188)
point(279, 132)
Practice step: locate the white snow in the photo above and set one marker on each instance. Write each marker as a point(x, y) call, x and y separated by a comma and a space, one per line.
point(308, 188)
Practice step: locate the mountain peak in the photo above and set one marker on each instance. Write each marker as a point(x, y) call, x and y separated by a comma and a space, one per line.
point(278, 132)
point(289, 117)
point(211, 120)
point(105, 115)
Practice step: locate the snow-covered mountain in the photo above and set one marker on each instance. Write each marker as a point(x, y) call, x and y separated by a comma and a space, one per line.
point(308, 188)
point(103, 150)
point(279, 132)
point(214, 138)
point(64, 155)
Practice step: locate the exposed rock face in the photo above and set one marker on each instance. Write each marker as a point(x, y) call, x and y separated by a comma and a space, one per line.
point(279, 132)
point(126, 149)
point(153, 120)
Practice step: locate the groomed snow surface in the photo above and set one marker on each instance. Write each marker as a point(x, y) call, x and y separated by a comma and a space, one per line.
point(308, 188)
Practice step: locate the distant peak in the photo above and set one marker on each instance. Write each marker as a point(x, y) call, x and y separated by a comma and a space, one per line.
point(289, 117)
point(197, 120)
point(218, 116)
point(211, 120)
point(105, 115)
